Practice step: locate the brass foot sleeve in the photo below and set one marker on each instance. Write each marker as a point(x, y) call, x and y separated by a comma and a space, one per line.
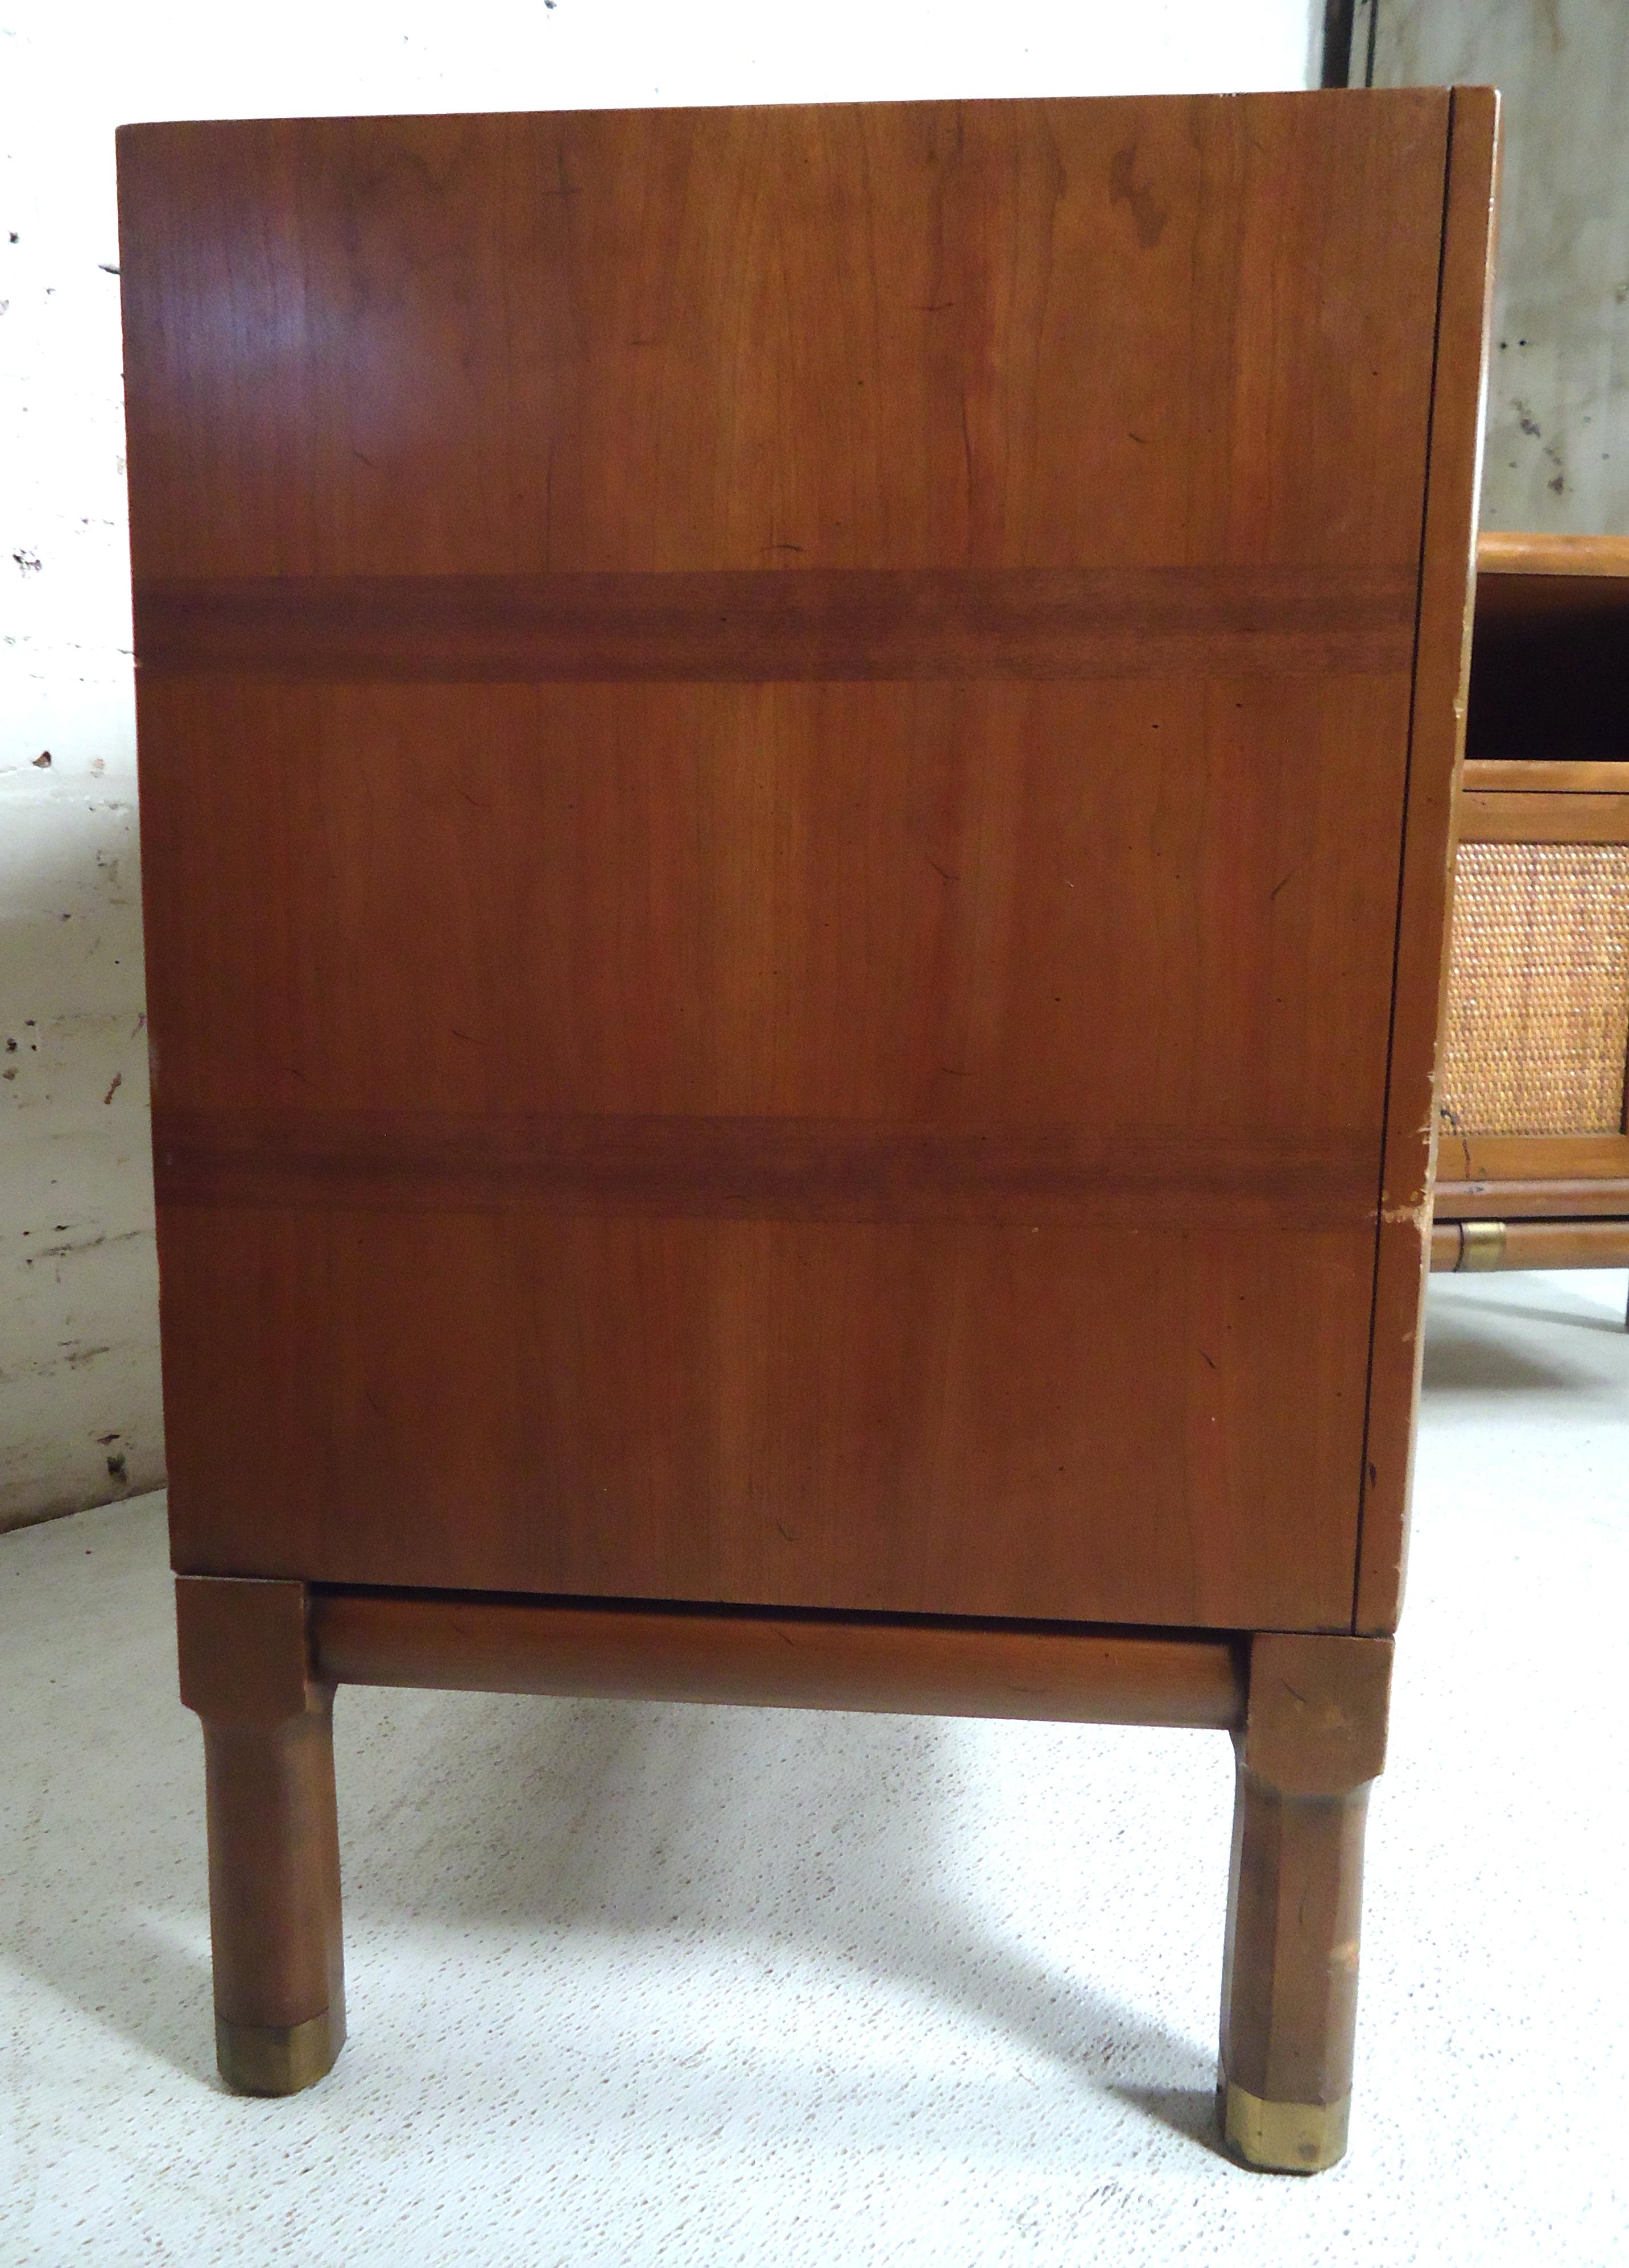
point(278, 2058)
point(1481, 1245)
point(1283, 2138)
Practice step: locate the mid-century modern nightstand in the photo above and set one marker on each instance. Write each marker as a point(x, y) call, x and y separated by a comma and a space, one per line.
point(1533, 1156)
point(796, 770)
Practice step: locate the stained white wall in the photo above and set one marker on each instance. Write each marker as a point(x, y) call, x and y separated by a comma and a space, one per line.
point(1558, 435)
point(80, 1411)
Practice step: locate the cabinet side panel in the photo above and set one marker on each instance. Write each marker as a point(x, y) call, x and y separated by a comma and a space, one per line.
point(1436, 744)
point(773, 760)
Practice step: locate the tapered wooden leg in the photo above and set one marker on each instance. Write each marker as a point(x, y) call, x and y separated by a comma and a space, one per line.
point(274, 1835)
point(1314, 1740)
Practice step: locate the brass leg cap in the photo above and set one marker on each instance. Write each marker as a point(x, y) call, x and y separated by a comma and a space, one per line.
point(1283, 2138)
point(278, 2058)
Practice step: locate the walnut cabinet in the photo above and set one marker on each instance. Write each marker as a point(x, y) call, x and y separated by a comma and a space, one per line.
point(796, 771)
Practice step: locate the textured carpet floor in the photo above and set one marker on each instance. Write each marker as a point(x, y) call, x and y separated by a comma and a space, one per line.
point(635, 1985)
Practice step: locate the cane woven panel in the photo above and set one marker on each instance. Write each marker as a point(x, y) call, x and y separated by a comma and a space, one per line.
point(1538, 992)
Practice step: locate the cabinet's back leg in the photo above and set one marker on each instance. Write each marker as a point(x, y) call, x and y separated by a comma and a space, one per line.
point(274, 1837)
point(1314, 1740)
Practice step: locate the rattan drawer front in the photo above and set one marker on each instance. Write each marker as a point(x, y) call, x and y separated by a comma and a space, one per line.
point(1538, 992)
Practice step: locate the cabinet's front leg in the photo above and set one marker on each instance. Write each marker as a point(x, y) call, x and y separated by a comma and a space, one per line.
point(1313, 1739)
point(274, 1837)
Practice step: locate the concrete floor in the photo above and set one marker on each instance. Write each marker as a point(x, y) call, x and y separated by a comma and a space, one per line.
point(633, 1985)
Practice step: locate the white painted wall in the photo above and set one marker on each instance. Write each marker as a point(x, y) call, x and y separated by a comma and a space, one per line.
point(79, 1413)
point(1558, 438)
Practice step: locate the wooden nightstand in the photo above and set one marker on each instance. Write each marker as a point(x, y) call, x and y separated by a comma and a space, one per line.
point(796, 770)
point(1533, 1165)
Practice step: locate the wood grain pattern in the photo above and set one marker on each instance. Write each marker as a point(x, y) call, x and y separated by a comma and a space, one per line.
point(1563, 1197)
point(938, 1418)
point(766, 739)
point(689, 1167)
point(809, 1661)
point(769, 626)
point(1436, 741)
point(1542, 775)
point(1120, 907)
point(1067, 333)
point(1565, 817)
point(1531, 1157)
